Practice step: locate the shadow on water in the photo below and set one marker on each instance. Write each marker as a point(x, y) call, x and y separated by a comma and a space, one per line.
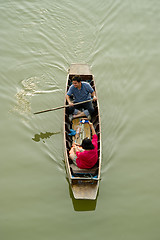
point(38, 137)
point(83, 205)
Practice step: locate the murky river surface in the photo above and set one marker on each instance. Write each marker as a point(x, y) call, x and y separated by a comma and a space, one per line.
point(38, 42)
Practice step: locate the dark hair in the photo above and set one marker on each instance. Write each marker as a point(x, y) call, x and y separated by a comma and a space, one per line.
point(87, 144)
point(77, 78)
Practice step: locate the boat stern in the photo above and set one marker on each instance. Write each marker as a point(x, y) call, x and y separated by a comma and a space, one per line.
point(85, 189)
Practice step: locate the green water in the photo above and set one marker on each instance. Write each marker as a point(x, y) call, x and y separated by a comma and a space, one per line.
point(38, 42)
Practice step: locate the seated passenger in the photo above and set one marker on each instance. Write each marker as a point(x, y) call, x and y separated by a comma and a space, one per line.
point(86, 155)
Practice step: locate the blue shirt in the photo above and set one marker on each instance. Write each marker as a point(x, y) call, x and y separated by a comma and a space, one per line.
point(82, 94)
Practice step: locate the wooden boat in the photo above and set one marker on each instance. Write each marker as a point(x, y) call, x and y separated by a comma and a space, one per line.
point(84, 182)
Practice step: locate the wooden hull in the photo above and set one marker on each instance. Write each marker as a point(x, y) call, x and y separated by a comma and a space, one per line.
point(84, 183)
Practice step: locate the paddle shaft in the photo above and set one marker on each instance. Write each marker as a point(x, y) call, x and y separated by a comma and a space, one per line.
point(52, 109)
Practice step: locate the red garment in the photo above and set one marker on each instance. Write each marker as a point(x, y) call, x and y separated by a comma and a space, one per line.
point(88, 158)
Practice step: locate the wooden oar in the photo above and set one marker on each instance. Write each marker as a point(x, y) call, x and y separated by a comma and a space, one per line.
point(52, 109)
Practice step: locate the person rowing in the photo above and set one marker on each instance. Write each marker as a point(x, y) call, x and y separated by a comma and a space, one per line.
point(81, 91)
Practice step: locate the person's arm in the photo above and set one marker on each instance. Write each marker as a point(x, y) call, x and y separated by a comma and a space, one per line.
point(68, 100)
point(92, 128)
point(94, 96)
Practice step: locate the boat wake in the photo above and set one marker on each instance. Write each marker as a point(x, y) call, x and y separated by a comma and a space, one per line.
point(31, 87)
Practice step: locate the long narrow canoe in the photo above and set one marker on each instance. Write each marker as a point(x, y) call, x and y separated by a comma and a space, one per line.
point(84, 182)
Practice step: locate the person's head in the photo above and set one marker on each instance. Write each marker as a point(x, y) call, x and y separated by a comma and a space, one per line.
point(76, 81)
point(87, 144)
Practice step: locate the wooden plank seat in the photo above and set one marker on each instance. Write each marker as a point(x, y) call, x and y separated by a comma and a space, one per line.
point(85, 172)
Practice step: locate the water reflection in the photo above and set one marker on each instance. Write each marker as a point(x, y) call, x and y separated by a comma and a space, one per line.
point(38, 137)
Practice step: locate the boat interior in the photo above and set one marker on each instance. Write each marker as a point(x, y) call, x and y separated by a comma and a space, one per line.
point(72, 124)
